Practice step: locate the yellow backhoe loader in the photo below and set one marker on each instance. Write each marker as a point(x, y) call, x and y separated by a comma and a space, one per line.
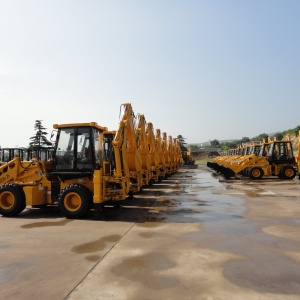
point(89, 168)
point(298, 156)
point(160, 155)
point(83, 173)
point(126, 140)
point(165, 149)
point(142, 148)
point(178, 155)
point(153, 153)
point(188, 157)
point(275, 158)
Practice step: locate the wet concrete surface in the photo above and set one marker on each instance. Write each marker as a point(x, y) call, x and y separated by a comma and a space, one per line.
point(192, 236)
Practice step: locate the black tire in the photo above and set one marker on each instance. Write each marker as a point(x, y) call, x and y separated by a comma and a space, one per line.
point(117, 205)
point(287, 172)
point(74, 201)
point(256, 173)
point(243, 172)
point(246, 172)
point(12, 200)
point(130, 195)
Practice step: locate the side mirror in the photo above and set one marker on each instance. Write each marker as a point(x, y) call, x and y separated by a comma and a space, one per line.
point(53, 136)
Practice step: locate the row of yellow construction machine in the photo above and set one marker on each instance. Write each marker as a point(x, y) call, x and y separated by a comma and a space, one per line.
point(90, 167)
point(256, 160)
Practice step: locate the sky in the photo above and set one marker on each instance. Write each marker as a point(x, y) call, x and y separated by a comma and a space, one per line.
point(202, 69)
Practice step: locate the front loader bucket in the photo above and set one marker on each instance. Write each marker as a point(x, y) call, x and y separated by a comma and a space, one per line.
point(228, 173)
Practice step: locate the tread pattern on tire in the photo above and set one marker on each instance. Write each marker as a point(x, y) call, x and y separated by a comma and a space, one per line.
point(19, 199)
point(86, 199)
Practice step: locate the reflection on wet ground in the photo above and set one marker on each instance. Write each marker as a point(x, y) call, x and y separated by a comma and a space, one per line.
point(46, 224)
point(197, 199)
point(201, 197)
point(8, 272)
point(149, 265)
point(97, 245)
point(246, 233)
point(265, 266)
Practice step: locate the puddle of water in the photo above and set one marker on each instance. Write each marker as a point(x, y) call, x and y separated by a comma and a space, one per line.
point(46, 224)
point(297, 221)
point(93, 258)
point(97, 245)
point(145, 270)
point(4, 246)
point(179, 211)
point(164, 201)
point(147, 224)
point(251, 194)
point(148, 234)
point(8, 272)
point(264, 268)
point(202, 202)
point(268, 273)
point(154, 218)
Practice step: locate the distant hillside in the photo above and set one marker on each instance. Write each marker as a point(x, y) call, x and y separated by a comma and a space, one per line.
point(292, 132)
point(207, 144)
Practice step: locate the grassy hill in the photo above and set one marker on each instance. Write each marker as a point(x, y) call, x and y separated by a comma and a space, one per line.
point(202, 155)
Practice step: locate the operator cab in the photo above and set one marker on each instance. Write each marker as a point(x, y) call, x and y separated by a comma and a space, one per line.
point(78, 149)
point(281, 152)
point(264, 150)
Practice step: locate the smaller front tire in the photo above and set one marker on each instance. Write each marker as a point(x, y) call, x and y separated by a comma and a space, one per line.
point(256, 173)
point(287, 172)
point(12, 200)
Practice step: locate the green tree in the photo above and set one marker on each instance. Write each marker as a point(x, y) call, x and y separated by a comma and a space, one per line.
point(279, 136)
point(39, 139)
point(194, 147)
point(232, 144)
point(224, 147)
point(297, 130)
point(215, 143)
point(182, 142)
point(184, 150)
point(262, 136)
point(245, 139)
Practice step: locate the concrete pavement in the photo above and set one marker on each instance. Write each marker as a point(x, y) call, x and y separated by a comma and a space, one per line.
point(193, 236)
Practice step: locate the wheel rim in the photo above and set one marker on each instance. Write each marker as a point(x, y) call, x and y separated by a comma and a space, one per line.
point(7, 200)
point(289, 173)
point(256, 173)
point(72, 202)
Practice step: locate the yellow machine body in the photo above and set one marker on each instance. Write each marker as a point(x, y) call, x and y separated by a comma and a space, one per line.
point(142, 148)
point(160, 155)
point(275, 158)
point(153, 153)
point(89, 167)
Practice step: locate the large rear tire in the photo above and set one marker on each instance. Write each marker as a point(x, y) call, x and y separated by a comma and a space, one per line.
point(12, 200)
point(74, 201)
